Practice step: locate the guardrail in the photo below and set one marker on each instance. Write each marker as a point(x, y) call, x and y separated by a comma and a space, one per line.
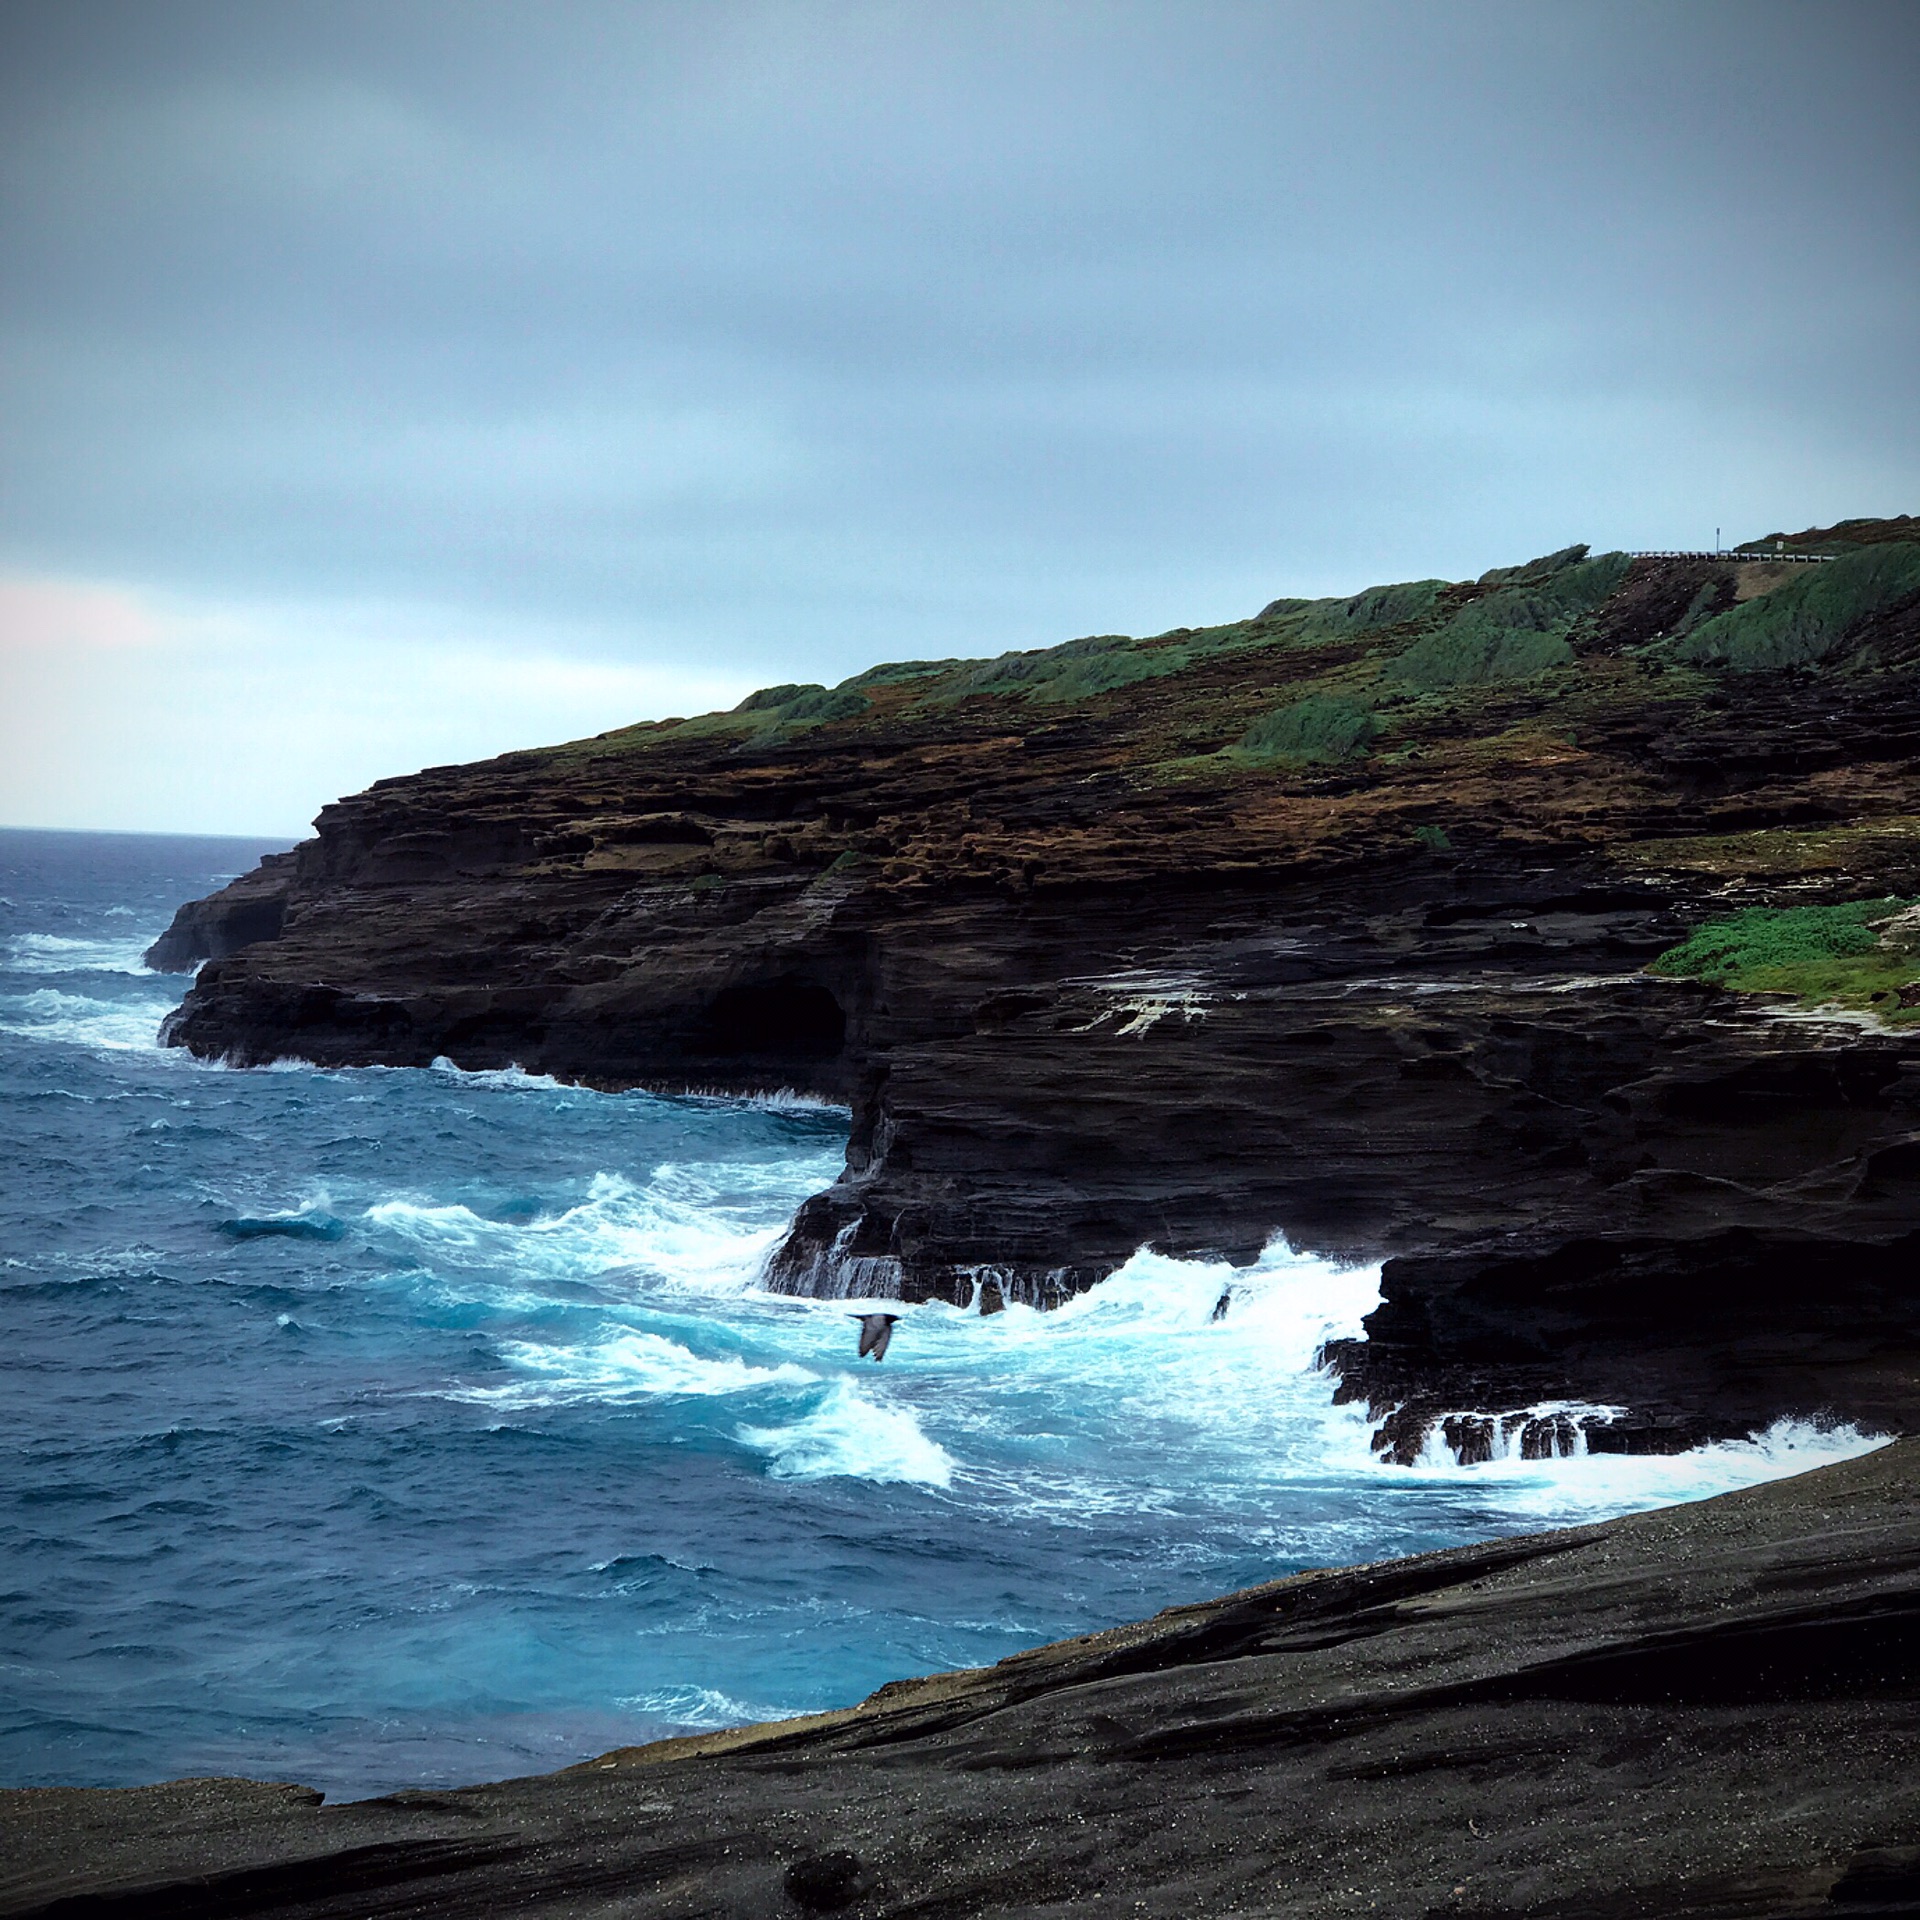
point(1733, 553)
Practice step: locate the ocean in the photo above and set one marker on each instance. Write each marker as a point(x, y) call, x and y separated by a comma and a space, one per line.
point(419, 1427)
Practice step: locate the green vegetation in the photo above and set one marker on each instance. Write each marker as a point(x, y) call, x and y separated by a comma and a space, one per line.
point(1322, 727)
point(1434, 839)
point(1697, 608)
point(769, 698)
point(1103, 662)
point(1385, 607)
point(1417, 648)
point(1365, 612)
point(806, 704)
point(1475, 652)
point(823, 703)
point(1517, 629)
point(1540, 569)
point(1841, 537)
point(896, 672)
point(1076, 671)
point(1778, 851)
point(1810, 617)
point(1314, 623)
point(1824, 956)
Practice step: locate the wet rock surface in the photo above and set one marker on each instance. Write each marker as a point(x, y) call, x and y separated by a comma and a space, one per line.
point(1093, 972)
point(1702, 1712)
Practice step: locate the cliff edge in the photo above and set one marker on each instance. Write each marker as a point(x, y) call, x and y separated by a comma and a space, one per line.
point(1334, 922)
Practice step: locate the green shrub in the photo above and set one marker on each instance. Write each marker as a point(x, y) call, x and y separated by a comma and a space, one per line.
point(1548, 563)
point(1316, 620)
point(1475, 651)
point(1367, 612)
point(1084, 678)
point(1824, 956)
point(1076, 671)
point(894, 672)
point(1769, 937)
point(804, 704)
point(770, 697)
point(820, 703)
point(1811, 617)
point(1546, 601)
point(1698, 607)
point(1389, 606)
point(1322, 727)
point(1434, 839)
point(1516, 630)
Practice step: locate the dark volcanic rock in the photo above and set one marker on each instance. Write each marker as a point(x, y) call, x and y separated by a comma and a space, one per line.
point(250, 908)
point(1092, 972)
point(1704, 1713)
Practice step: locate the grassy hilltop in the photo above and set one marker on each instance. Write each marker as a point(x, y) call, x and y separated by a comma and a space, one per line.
point(1431, 714)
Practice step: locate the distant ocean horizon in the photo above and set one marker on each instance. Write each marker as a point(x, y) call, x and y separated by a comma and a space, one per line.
point(392, 1427)
point(254, 844)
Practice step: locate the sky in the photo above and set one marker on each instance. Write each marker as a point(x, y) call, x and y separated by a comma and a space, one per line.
point(394, 383)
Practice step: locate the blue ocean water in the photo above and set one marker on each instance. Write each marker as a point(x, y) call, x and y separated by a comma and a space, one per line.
point(383, 1428)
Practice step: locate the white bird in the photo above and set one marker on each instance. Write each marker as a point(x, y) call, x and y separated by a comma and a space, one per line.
point(876, 1329)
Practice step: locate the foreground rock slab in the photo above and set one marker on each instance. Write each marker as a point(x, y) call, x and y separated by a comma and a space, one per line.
point(1708, 1711)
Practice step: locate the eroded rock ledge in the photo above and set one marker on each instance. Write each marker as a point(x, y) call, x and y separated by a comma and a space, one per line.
point(1704, 1713)
point(1328, 923)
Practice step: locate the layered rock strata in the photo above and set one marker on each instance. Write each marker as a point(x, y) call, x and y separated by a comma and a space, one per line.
point(1705, 1713)
point(1331, 923)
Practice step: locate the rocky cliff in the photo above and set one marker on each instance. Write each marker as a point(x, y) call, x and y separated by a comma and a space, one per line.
point(1332, 922)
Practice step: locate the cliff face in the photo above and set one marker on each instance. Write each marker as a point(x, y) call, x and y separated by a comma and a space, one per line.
point(1331, 922)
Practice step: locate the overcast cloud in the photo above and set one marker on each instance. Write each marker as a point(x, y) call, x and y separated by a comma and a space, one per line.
point(397, 382)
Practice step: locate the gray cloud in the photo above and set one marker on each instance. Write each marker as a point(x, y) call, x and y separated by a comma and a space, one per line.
point(799, 336)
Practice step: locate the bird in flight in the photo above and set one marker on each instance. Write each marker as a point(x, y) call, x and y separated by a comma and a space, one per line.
point(876, 1329)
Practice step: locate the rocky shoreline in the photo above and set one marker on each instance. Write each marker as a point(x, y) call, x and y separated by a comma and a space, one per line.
point(1704, 1713)
point(1332, 923)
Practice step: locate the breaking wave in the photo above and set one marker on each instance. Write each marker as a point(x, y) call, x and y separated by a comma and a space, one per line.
point(625, 1366)
point(1590, 1486)
point(68, 953)
point(851, 1433)
point(75, 1019)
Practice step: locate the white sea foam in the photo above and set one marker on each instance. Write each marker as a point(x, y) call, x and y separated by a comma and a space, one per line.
point(504, 1077)
point(1565, 1425)
point(700, 1709)
point(629, 1365)
point(669, 1230)
point(118, 1026)
point(777, 1100)
point(791, 1100)
point(1287, 1305)
point(1129, 1398)
point(519, 1079)
point(1593, 1484)
point(1132, 1397)
point(63, 953)
point(1146, 1341)
point(854, 1435)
